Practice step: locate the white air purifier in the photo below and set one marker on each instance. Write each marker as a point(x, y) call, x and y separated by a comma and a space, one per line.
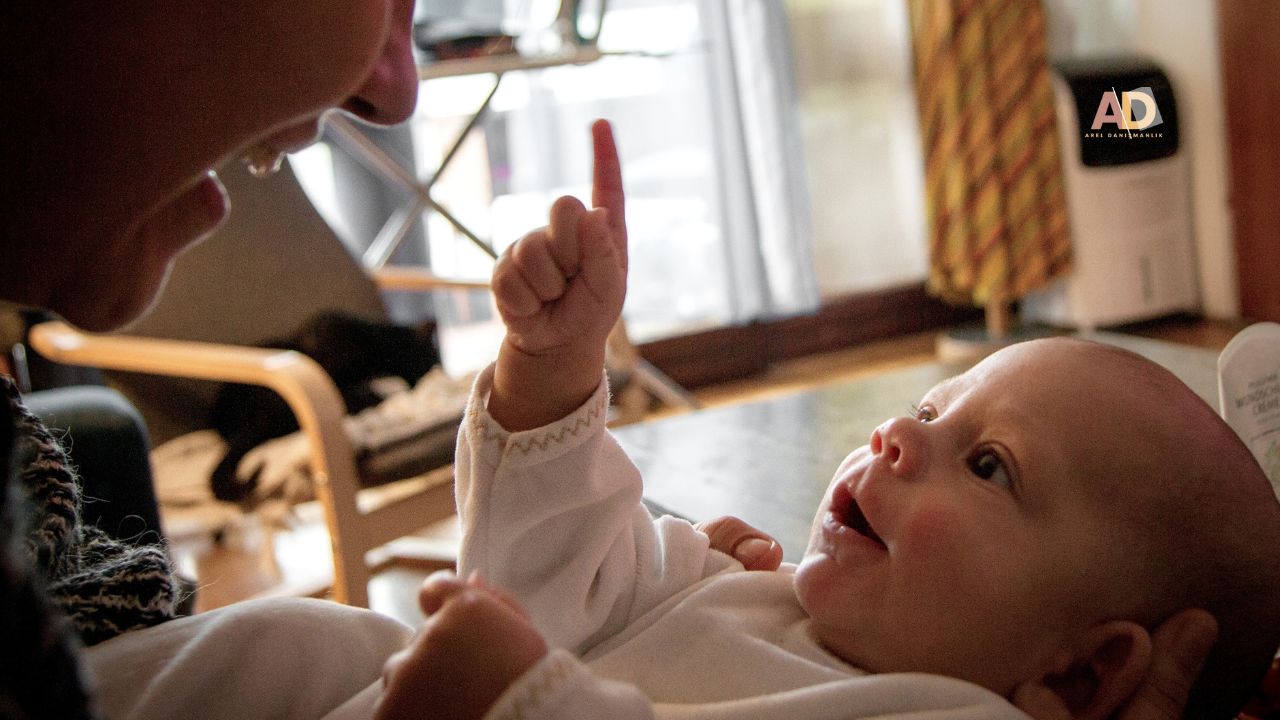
point(1128, 196)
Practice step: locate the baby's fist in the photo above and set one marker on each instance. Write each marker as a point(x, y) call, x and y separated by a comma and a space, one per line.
point(563, 284)
point(475, 644)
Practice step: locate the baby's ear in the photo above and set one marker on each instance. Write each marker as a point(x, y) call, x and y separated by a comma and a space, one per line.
point(1101, 674)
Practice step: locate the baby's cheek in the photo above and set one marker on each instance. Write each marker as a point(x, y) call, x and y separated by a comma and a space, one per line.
point(938, 532)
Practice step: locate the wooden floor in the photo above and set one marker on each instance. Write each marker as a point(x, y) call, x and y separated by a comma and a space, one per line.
point(254, 560)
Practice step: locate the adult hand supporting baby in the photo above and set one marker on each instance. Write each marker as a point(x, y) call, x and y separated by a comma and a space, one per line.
point(1179, 648)
point(559, 291)
point(476, 641)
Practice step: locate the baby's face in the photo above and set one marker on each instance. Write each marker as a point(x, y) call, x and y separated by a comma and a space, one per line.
point(966, 540)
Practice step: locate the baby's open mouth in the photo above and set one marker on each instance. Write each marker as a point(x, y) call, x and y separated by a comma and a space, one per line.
point(856, 520)
point(850, 515)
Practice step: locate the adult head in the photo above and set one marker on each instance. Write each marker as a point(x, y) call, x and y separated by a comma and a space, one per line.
point(118, 112)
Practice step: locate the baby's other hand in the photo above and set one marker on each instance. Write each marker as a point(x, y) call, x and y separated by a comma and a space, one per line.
point(755, 549)
point(475, 643)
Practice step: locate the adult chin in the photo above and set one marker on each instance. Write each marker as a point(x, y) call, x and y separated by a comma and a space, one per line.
point(123, 283)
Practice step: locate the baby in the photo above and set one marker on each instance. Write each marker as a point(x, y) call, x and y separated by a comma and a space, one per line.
point(1012, 544)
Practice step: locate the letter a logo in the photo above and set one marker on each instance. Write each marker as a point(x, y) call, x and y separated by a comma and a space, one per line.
point(1108, 111)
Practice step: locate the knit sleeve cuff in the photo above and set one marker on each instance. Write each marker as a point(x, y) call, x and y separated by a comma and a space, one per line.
point(538, 445)
point(559, 686)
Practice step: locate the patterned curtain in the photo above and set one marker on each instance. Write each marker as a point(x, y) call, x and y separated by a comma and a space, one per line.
point(993, 177)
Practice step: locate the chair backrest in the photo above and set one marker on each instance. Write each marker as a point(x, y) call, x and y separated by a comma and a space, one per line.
point(274, 264)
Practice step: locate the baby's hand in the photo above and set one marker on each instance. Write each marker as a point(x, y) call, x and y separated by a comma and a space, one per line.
point(559, 290)
point(476, 641)
point(756, 550)
point(561, 287)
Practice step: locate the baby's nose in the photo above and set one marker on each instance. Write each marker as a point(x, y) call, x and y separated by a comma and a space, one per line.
point(896, 443)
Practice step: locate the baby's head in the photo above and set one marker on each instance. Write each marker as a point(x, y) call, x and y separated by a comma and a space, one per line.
point(1035, 519)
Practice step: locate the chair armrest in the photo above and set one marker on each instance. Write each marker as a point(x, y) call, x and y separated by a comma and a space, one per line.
point(420, 280)
point(304, 385)
point(298, 378)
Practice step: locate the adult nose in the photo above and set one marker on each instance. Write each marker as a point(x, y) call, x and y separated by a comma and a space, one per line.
point(390, 91)
point(899, 443)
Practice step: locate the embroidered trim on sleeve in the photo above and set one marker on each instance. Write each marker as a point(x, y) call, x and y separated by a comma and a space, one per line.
point(572, 426)
point(483, 429)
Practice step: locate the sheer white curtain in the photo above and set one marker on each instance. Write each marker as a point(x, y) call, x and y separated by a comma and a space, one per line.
point(760, 141)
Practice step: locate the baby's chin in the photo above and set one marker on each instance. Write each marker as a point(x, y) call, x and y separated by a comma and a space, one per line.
point(808, 585)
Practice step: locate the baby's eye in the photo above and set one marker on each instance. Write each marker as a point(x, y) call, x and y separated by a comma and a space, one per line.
point(987, 465)
point(923, 413)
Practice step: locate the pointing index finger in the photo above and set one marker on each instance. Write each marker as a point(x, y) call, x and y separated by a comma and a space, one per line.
point(606, 181)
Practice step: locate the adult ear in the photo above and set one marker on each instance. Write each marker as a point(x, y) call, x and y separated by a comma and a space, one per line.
point(1096, 679)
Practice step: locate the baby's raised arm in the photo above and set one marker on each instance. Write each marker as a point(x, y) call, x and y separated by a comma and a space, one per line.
point(559, 290)
point(550, 506)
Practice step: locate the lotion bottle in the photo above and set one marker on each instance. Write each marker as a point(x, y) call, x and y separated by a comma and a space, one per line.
point(1249, 393)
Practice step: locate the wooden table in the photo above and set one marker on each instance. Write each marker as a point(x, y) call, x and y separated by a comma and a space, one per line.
point(769, 461)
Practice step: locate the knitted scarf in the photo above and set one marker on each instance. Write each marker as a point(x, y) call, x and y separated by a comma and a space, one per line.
point(106, 587)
